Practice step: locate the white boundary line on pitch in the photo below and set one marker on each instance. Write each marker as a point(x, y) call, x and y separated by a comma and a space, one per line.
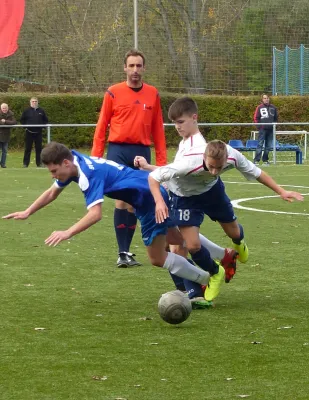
point(236, 203)
point(258, 183)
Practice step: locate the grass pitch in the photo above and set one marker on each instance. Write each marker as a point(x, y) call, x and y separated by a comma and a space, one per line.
point(73, 326)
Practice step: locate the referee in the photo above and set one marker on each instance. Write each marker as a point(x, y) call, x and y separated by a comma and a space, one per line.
point(133, 113)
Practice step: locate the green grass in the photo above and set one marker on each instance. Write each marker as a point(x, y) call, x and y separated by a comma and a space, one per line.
point(93, 312)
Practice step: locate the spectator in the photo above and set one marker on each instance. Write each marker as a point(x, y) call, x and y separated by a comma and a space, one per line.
point(33, 115)
point(6, 118)
point(265, 112)
point(132, 109)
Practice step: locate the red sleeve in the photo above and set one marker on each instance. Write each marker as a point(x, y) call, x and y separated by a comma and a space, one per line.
point(99, 138)
point(158, 134)
point(256, 117)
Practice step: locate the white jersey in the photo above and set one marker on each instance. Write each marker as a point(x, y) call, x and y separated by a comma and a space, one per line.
point(188, 175)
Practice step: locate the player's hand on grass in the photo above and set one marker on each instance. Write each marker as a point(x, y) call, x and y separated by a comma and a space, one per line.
point(161, 212)
point(140, 162)
point(17, 215)
point(56, 237)
point(290, 196)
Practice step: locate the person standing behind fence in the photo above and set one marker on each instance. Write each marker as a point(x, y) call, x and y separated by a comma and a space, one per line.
point(265, 112)
point(133, 112)
point(33, 115)
point(6, 118)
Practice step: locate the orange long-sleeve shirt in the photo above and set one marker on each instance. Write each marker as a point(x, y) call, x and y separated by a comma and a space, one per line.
point(134, 118)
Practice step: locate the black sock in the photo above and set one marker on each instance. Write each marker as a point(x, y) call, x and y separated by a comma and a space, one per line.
point(178, 282)
point(120, 224)
point(202, 259)
point(241, 236)
point(131, 225)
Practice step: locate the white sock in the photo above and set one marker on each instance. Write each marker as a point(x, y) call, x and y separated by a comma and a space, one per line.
point(179, 266)
point(215, 251)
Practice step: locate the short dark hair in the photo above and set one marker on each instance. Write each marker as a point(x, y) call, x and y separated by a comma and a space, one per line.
point(55, 153)
point(181, 106)
point(134, 53)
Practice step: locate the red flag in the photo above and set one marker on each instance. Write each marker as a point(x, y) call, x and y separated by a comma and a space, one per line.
point(11, 19)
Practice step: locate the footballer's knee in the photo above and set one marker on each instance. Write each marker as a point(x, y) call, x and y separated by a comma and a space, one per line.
point(130, 209)
point(122, 205)
point(194, 247)
point(157, 260)
point(179, 249)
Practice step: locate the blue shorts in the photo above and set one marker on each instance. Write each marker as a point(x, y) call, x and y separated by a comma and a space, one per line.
point(146, 215)
point(190, 211)
point(124, 153)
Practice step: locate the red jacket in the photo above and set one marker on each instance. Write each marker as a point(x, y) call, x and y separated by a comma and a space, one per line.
point(134, 118)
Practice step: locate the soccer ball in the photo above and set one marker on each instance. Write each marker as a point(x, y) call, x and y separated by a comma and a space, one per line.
point(174, 307)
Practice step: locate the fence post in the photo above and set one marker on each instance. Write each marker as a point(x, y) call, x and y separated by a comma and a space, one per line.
point(301, 70)
point(48, 133)
point(274, 72)
point(135, 11)
point(274, 143)
point(286, 70)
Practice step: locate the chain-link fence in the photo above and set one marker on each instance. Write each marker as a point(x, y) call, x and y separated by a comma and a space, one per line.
point(193, 46)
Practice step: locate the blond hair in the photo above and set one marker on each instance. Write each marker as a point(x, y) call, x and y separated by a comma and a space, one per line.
point(216, 149)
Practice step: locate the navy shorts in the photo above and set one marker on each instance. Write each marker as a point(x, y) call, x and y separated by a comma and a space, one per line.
point(124, 153)
point(190, 211)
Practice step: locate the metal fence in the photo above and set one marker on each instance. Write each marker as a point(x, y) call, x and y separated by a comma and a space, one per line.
point(191, 46)
point(276, 133)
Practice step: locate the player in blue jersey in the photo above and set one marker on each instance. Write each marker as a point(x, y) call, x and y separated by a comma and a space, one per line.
point(97, 177)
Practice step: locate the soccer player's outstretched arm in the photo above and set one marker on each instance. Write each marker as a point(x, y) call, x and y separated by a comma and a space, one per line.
point(43, 200)
point(250, 171)
point(287, 195)
point(93, 216)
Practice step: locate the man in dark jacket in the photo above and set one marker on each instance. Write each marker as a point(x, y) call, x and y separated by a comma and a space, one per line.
point(6, 118)
point(268, 113)
point(33, 115)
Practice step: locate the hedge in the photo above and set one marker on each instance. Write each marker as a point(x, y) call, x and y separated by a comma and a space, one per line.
point(85, 108)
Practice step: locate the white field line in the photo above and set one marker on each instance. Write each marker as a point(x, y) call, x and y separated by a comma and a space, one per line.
point(236, 203)
point(258, 183)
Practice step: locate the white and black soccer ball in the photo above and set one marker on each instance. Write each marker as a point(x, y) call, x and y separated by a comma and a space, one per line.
point(174, 307)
